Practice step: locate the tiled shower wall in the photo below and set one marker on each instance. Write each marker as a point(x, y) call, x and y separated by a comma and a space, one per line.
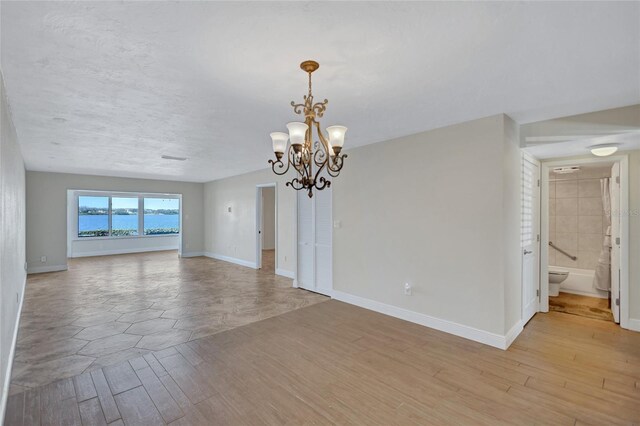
point(576, 217)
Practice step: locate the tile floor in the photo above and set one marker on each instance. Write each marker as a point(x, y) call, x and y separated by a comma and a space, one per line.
point(333, 363)
point(105, 310)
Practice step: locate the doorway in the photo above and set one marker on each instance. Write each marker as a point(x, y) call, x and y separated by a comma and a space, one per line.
point(583, 238)
point(266, 227)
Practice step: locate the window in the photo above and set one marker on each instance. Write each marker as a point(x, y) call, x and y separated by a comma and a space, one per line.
point(161, 216)
point(93, 216)
point(124, 216)
point(119, 215)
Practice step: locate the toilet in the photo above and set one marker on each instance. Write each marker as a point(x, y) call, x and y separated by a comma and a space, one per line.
point(556, 276)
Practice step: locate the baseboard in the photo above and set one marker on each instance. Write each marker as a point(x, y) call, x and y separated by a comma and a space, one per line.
point(193, 254)
point(513, 333)
point(633, 324)
point(49, 268)
point(123, 251)
point(460, 330)
point(230, 259)
point(12, 351)
point(285, 273)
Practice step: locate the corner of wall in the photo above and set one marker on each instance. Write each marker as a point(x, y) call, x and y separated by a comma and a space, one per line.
point(512, 164)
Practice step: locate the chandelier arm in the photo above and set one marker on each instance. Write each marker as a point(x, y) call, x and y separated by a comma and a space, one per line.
point(326, 149)
point(278, 165)
point(324, 183)
point(317, 178)
point(336, 166)
point(296, 184)
point(297, 108)
point(320, 157)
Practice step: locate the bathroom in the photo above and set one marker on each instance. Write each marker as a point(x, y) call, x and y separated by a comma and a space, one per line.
point(580, 242)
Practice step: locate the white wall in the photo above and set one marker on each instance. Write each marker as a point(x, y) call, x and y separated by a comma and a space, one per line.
point(107, 246)
point(268, 218)
point(441, 211)
point(634, 238)
point(12, 241)
point(511, 209)
point(231, 235)
point(47, 212)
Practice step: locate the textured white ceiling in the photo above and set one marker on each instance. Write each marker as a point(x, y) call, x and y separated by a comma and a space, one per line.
point(109, 87)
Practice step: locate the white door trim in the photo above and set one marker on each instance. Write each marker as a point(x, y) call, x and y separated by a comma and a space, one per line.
point(258, 223)
point(624, 229)
point(528, 157)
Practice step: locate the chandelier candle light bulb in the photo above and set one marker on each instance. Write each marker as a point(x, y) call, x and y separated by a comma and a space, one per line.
point(310, 158)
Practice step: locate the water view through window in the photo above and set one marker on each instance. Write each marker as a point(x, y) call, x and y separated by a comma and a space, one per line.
point(124, 216)
point(93, 216)
point(161, 216)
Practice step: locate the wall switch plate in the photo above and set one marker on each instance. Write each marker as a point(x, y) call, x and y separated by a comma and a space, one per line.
point(407, 289)
point(43, 259)
point(337, 224)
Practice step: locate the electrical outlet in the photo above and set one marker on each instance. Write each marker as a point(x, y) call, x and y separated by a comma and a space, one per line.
point(407, 289)
point(43, 259)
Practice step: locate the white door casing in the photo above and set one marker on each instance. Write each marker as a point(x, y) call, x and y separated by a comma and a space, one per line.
point(615, 241)
point(530, 237)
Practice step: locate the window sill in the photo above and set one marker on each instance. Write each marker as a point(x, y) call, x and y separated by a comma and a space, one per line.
point(124, 237)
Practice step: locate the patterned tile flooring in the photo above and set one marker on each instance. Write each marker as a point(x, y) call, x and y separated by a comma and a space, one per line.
point(333, 363)
point(105, 310)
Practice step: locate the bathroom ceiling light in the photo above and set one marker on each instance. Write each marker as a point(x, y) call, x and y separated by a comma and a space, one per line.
point(565, 170)
point(604, 149)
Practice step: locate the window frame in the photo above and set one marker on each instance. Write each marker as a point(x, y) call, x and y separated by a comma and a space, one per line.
point(110, 195)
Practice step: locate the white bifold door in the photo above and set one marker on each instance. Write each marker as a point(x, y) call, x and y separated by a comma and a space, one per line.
point(314, 241)
point(530, 238)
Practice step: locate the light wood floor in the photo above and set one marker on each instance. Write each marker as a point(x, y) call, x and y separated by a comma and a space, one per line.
point(333, 363)
point(105, 310)
point(574, 304)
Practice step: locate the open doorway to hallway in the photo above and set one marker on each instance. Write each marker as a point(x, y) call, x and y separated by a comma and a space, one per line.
point(266, 222)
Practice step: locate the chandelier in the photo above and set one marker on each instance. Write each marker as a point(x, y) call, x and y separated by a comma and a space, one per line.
point(308, 157)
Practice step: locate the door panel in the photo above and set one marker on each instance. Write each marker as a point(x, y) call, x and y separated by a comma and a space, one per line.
point(529, 236)
point(305, 242)
point(314, 241)
point(615, 241)
point(323, 229)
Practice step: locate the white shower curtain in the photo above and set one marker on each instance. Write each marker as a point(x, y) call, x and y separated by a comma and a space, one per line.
point(602, 277)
